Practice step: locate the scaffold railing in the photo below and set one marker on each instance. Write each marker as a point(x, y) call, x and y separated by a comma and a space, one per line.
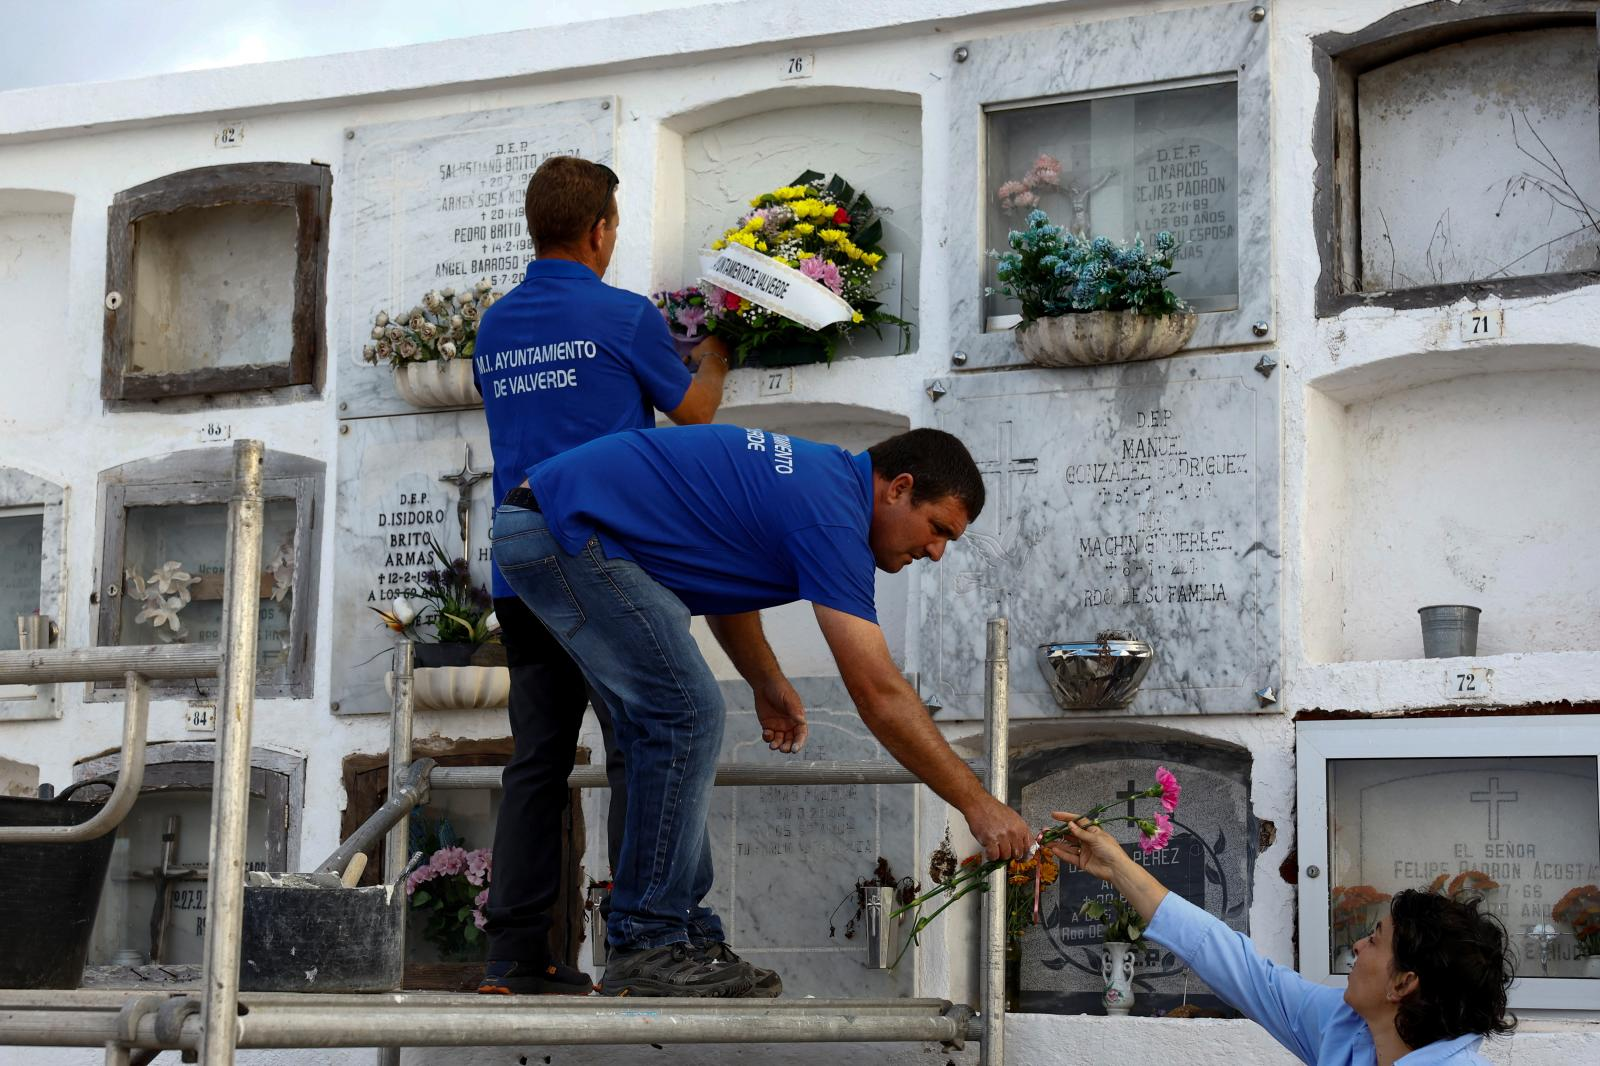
point(218, 1019)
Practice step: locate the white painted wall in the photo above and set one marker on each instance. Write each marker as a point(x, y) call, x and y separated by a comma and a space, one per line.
point(676, 77)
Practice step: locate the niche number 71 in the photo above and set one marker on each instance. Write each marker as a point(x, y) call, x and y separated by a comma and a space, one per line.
point(1482, 325)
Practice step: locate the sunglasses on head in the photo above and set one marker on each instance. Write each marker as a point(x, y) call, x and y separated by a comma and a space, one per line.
point(612, 181)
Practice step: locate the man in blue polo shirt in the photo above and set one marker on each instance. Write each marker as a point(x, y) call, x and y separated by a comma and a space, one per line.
point(560, 360)
point(616, 543)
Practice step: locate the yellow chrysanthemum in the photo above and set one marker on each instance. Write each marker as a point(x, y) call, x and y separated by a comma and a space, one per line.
point(744, 305)
point(872, 259)
point(754, 223)
point(853, 252)
point(717, 246)
point(761, 246)
point(805, 229)
point(855, 316)
point(806, 255)
point(831, 236)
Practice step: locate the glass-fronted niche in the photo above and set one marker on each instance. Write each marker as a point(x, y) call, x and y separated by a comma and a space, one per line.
point(165, 540)
point(153, 907)
point(1124, 165)
point(31, 532)
point(1116, 128)
point(1517, 826)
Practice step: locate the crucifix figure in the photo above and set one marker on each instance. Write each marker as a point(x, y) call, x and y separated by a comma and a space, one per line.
point(1078, 196)
point(1493, 797)
point(463, 480)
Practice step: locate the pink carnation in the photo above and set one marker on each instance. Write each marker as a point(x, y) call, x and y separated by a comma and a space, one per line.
point(417, 877)
point(823, 271)
point(449, 861)
point(1155, 841)
point(1169, 789)
point(478, 903)
point(478, 863)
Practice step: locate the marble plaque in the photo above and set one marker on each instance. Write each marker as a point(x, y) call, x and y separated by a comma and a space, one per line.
point(787, 856)
point(1140, 497)
point(1158, 116)
point(390, 499)
point(1209, 862)
point(437, 202)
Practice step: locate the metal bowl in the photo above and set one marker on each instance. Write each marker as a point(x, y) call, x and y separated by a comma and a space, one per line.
point(1095, 674)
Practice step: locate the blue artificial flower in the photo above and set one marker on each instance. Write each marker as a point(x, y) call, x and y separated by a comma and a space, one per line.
point(1102, 246)
point(1083, 296)
point(1137, 278)
point(1165, 241)
point(1159, 273)
point(1037, 218)
point(1066, 271)
point(1124, 258)
point(1014, 238)
point(1050, 262)
point(1093, 270)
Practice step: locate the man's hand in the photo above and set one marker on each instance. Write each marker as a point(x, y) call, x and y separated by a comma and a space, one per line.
point(999, 829)
point(782, 716)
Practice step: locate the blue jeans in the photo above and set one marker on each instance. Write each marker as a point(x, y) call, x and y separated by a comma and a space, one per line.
point(630, 636)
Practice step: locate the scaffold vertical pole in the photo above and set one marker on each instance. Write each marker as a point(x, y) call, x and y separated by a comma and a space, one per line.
point(397, 845)
point(230, 785)
point(992, 957)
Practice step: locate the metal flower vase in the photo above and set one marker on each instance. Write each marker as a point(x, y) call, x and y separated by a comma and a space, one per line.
point(1093, 338)
point(1118, 960)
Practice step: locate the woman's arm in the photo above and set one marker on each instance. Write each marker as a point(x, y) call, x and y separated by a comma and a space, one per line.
point(1295, 1011)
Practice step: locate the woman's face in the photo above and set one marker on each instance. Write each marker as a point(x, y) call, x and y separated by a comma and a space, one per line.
point(1372, 977)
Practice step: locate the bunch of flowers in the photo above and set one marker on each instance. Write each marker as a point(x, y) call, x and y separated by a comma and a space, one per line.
point(826, 230)
point(687, 313)
point(1023, 194)
point(446, 601)
point(443, 326)
point(164, 594)
point(1580, 908)
point(972, 875)
point(457, 886)
point(1021, 900)
point(1465, 881)
point(1350, 911)
point(1052, 272)
point(1123, 926)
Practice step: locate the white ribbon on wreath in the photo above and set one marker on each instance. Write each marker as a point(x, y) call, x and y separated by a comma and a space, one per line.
point(767, 283)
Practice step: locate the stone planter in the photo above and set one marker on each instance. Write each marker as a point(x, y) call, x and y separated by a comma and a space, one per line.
point(1117, 963)
point(1097, 337)
point(437, 383)
point(456, 688)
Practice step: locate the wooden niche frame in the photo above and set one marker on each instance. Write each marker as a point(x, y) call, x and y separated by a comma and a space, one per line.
point(1339, 60)
point(304, 187)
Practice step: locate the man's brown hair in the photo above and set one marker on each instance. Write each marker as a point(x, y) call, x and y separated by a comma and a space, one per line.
point(566, 197)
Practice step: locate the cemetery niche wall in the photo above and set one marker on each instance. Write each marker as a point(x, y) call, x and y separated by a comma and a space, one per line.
point(1488, 186)
point(1140, 498)
point(32, 572)
point(1508, 810)
point(1158, 122)
point(1210, 862)
point(216, 281)
point(161, 579)
point(437, 203)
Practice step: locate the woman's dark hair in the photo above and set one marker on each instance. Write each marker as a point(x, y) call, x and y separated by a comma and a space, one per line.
point(1463, 966)
point(939, 465)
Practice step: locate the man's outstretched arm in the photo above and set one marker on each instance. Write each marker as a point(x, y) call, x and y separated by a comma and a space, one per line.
point(900, 721)
point(778, 706)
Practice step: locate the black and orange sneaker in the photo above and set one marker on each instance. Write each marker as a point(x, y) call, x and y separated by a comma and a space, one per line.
point(534, 979)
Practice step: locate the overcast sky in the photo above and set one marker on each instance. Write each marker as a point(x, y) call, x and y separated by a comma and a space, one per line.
point(52, 42)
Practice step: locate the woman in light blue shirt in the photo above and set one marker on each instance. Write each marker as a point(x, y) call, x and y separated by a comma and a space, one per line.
point(1428, 984)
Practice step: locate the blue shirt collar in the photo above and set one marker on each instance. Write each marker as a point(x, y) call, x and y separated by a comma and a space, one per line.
point(560, 268)
point(1440, 1051)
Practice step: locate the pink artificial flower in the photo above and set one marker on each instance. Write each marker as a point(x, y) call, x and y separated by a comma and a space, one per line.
point(1010, 189)
point(478, 903)
point(478, 863)
point(691, 319)
point(1025, 198)
point(449, 861)
point(1169, 789)
point(417, 877)
point(821, 270)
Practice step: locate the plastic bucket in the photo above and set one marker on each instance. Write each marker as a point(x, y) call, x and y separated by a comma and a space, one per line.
point(1449, 631)
point(48, 896)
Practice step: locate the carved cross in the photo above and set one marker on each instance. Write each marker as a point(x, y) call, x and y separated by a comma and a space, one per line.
point(1493, 797)
point(1133, 793)
point(463, 480)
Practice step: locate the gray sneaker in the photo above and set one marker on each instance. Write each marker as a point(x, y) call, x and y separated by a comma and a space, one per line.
point(768, 984)
point(674, 970)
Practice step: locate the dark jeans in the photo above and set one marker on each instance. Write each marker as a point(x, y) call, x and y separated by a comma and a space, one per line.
point(548, 697)
point(631, 638)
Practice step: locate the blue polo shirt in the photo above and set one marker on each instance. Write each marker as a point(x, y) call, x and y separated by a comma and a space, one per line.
point(564, 358)
point(729, 519)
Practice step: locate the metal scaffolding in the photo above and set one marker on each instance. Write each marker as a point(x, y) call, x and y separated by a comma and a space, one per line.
point(220, 1019)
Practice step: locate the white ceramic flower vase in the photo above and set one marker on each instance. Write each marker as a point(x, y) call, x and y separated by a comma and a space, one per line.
point(456, 688)
point(1117, 964)
point(1093, 338)
point(437, 383)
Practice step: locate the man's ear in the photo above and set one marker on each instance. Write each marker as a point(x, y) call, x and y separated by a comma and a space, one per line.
point(900, 487)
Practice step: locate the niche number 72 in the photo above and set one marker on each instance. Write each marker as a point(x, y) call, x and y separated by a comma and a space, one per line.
point(1476, 683)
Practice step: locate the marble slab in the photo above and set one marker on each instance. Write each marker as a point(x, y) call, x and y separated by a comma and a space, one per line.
point(1209, 861)
point(29, 494)
point(427, 203)
point(787, 856)
point(389, 497)
point(1113, 58)
point(1141, 497)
